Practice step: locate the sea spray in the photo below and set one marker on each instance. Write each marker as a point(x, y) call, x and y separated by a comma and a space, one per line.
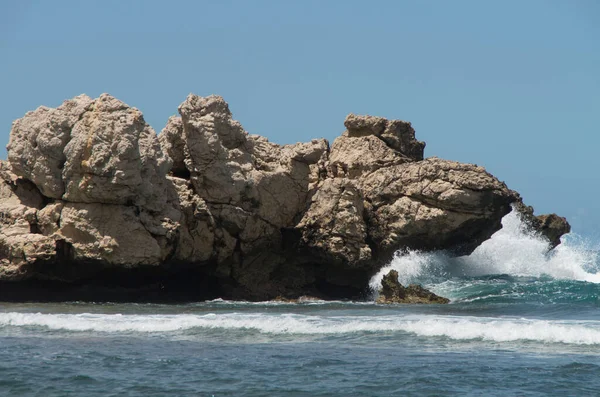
point(517, 251)
point(514, 250)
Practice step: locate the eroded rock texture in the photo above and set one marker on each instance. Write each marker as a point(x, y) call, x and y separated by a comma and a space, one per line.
point(91, 193)
point(393, 292)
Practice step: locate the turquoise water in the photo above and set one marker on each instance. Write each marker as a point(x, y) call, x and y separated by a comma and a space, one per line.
point(521, 322)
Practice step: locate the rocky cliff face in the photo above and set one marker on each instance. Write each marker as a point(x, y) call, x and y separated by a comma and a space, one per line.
point(90, 195)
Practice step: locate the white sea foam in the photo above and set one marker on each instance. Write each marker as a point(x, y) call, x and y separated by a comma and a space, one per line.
point(517, 251)
point(452, 327)
point(513, 250)
point(303, 300)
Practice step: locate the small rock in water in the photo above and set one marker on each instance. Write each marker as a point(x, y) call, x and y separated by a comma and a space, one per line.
point(393, 292)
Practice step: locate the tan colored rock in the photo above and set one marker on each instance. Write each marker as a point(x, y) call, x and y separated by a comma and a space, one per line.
point(251, 188)
point(48, 218)
point(447, 184)
point(114, 157)
point(334, 223)
point(248, 218)
point(229, 167)
point(355, 157)
point(93, 151)
point(397, 134)
point(399, 202)
point(434, 204)
point(172, 142)
point(21, 244)
point(196, 241)
point(112, 234)
point(37, 143)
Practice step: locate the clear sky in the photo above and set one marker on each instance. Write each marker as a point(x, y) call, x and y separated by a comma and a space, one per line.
point(510, 85)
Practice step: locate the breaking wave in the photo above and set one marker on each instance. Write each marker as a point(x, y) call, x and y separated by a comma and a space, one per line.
point(514, 250)
point(514, 266)
point(451, 327)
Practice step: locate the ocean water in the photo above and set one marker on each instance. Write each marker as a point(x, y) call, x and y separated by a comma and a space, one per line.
point(521, 322)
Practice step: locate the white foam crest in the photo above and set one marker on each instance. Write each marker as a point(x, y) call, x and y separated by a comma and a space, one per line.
point(453, 327)
point(512, 250)
point(276, 324)
point(410, 266)
point(503, 330)
point(303, 300)
point(515, 250)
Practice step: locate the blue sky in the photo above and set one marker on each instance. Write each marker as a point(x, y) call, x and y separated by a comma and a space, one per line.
point(510, 85)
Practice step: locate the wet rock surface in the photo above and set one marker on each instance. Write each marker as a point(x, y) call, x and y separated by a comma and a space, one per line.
point(549, 226)
point(393, 292)
point(91, 196)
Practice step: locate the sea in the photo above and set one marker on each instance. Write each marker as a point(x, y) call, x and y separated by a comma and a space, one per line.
point(522, 322)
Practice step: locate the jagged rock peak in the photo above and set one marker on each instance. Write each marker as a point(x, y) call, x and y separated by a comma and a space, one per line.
point(211, 115)
point(37, 141)
point(201, 106)
point(397, 134)
point(108, 103)
point(90, 151)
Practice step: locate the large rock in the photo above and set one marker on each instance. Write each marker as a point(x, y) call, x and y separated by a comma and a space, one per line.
point(114, 157)
point(228, 167)
point(378, 199)
point(90, 151)
point(90, 194)
point(37, 143)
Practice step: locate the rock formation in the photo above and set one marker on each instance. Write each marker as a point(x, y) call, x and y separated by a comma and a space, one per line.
point(91, 196)
point(550, 226)
point(393, 292)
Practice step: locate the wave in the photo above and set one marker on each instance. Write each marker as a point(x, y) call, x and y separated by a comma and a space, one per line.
point(510, 289)
point(452, 327)
point(303, 300)
point(513, 250)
